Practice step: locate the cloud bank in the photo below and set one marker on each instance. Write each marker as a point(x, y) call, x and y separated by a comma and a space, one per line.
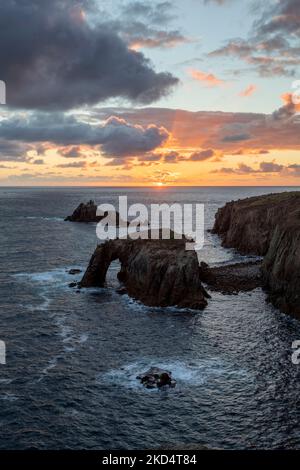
point(115, 137)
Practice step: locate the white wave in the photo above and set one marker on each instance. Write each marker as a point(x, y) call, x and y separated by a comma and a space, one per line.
point(6, 381)
point(51, 364)
point(8, 397)
point(139, 306)
point(185, 373)
point(83, 338)
point(70, 339)
point(54, 276)
point(47, 281)
point(43, 305)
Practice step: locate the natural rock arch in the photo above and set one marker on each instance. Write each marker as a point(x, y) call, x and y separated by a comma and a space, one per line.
point(157, 272)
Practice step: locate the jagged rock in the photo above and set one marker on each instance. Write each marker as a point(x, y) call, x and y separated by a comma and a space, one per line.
point(268, 226)
point(85, 213)
point(156, 272)
point(73, 284)
point(157, 378)
point(88, 213)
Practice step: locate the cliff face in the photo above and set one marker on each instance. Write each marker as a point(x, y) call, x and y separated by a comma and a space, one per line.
point(268, 226)
point(281, 267)
point(156, 272)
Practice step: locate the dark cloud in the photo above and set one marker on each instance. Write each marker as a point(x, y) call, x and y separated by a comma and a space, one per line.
point(143, 24)
point(172, 157)
point(160, 12)
point(13, 151)
point(294, 169)
point(264, 167)
point(281, 17)
point(251, 152)
point(151, 157)
point(115, 136)
point(236, 138)
point(201, 155)
point(71, 152)
point(81, 164)
point(273, 47)
point(139, 35)
point(53, 57)
point(270, 167)
point(38, 161)
point(258, 56)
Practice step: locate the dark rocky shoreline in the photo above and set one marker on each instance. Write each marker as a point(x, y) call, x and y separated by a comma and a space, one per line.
point(235, 278)
point(268, 226)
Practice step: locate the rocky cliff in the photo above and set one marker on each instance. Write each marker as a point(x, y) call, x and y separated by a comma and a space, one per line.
point(156, 272)
point(268, 226)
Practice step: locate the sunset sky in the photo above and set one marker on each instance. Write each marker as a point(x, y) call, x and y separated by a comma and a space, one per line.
point(150, 93)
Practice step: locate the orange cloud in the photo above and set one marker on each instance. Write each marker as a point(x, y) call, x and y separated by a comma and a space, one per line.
point(162, 177)
point(163, 41)
point(208, 78)
point(290, 100)
point(248, 91)
point(254, 133)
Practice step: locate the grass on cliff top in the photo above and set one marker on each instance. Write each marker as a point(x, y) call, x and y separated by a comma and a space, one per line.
point(273, 198)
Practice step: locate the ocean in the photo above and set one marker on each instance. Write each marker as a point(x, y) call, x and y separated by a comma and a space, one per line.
point(72, 357)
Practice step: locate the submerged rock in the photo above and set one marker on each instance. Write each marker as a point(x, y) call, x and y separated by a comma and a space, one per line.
point(74, 271)
point(156, 272)
point(122, 290)
point(157, 378)
point(73, 284)
point(268, 226)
